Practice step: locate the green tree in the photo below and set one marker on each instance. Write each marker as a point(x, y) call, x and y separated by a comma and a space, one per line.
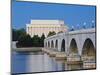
point(42, 40)
point(24, 41)
point(17, 33)
point(51, 33)
point(35, 41)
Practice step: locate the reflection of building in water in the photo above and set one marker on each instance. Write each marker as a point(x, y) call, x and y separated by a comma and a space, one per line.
point(38, 27)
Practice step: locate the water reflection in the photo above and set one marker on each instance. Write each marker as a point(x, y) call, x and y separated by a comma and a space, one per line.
point(19, 63)
point(39, 62)
point(66, 66)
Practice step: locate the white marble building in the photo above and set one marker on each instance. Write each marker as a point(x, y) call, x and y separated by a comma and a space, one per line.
point(38, 27)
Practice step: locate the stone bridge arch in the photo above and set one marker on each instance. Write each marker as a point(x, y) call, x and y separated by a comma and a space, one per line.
point(52, 44)
point(76, 43)
point(88, 50)
point(63, 45)
point(48, 44)
point(56, 43)
point(86, 37)
point(73, 48)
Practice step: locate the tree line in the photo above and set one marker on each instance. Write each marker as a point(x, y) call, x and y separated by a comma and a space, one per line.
point(25, 40)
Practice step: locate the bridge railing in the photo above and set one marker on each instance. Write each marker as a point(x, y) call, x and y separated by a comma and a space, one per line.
point(91, 30)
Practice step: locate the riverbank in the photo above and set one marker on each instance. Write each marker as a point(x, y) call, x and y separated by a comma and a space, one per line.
point(28, 49)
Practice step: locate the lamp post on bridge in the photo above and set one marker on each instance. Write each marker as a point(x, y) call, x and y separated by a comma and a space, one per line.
point(84, 25)
point(72, 28)
point(93, 23)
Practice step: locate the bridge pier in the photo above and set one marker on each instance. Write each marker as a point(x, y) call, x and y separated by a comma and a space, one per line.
point(89, 65)
point(72, 59)
point(88, 62)
point(57, 54)
point(59, 45)
point(61, 56)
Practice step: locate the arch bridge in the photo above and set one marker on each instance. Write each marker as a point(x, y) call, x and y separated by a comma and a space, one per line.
point(80, 42)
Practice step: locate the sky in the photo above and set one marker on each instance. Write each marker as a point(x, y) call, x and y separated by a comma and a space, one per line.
point(73, 15)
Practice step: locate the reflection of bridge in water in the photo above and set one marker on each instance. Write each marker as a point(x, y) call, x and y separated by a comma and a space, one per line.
point(75, 46)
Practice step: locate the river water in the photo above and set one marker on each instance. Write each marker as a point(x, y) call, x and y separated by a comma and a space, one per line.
point(27, 62)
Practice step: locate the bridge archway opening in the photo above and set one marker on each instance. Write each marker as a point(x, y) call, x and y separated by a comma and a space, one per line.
point(88, 51)
point(56, 44)
point(52, 44)
point(63, 46)
point(48, 44)
point(73, 47)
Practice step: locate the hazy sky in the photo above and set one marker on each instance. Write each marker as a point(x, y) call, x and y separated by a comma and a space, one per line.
point(73, 15)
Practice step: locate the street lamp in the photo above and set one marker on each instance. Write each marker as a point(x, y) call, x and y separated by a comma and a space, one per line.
point(84, 25)
point(72, 29)
point(93, 23)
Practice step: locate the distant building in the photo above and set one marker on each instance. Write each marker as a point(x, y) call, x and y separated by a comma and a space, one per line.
point(39, 27)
